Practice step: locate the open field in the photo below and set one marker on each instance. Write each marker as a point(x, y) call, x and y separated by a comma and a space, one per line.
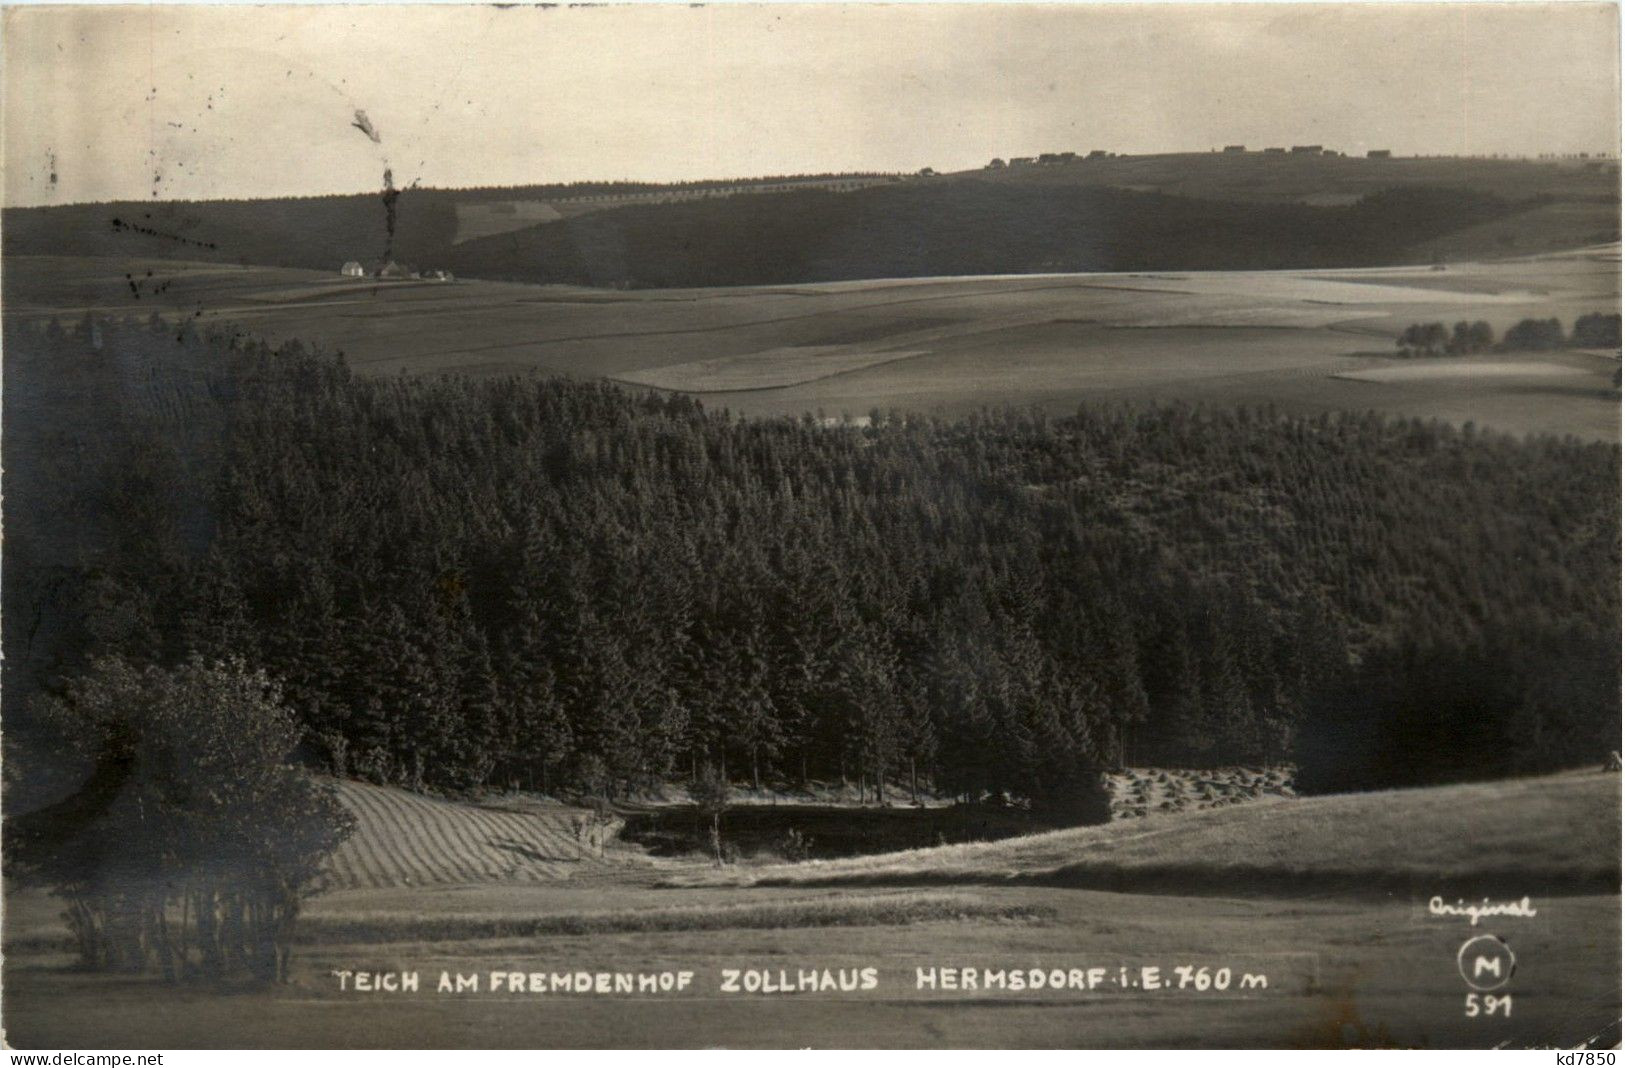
point(770, 369)
point(1428, 370)
point(1358, 962)
point(1340, 972)
point(1289, 338)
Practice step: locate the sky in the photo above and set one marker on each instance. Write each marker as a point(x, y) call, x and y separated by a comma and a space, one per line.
point(137, 102)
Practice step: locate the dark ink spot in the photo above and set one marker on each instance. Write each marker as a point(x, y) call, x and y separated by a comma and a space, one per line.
point(120, 226)
point(365, 125)
point(390, 196)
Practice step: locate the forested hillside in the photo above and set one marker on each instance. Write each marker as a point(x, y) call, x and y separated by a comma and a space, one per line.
point(412, 226)
point(965, 227)
point(925, 228)
point(550, 582)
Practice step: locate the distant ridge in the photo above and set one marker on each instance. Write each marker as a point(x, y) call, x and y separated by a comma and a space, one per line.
point(1215, 211)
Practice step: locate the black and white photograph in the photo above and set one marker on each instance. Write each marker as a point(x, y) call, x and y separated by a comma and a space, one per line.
point(834, 526)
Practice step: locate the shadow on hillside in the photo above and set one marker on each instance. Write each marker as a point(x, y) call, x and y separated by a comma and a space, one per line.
point(827, 832)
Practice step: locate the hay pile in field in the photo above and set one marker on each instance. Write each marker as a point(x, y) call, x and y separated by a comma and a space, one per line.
point(1139, 792)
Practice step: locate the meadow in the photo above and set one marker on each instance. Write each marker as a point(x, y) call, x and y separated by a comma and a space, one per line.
point(1305, 341)
point(1349, 957)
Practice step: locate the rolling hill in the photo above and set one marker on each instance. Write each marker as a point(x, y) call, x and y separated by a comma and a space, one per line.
point(950, 345)
point(1193, 211)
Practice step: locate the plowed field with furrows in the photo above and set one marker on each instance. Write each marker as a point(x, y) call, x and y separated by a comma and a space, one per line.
point(403, 839)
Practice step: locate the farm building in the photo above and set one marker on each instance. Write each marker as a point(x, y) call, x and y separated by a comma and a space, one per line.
point(352, 269)
point(1379, 153)
point(1022, 161)
point(1308, 150)
point(392, 269)
point(1275, 152)
point(1098, 153)
point(1051, 158)
point(1235, 149)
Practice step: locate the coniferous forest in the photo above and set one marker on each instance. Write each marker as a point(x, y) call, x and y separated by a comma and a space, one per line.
point(562, 585)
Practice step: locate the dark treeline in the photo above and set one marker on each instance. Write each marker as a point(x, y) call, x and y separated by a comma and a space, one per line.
point(959, 226)
point(564, 585)
point(1592, 331)
point(621, 188)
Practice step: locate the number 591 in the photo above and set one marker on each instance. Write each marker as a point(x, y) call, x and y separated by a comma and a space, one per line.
point(1489, 1005)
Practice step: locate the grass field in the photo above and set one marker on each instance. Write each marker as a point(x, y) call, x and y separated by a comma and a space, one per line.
point(1353, 960)
point(1430, 370)
point(770, 369)
point(1291, 338)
